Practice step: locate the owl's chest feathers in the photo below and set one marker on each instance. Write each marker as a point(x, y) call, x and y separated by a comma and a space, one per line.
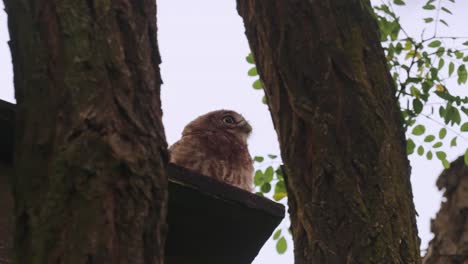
point(223, 150)
point(221, 145)
point(219, 155)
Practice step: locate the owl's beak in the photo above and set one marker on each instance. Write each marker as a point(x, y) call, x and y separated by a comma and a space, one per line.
point(246, 127)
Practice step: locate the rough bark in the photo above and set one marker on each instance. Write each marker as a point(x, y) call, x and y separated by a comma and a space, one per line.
point(450, 227)
point(333, 105)
point(90, 183)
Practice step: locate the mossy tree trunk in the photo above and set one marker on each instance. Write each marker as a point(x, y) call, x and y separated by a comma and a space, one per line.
point(90, 183)
point(332, 102)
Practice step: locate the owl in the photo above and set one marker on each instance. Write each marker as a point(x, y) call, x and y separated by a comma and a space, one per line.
point(215, 145)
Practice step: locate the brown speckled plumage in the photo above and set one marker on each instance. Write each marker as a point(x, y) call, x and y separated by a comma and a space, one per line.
point(215, 144)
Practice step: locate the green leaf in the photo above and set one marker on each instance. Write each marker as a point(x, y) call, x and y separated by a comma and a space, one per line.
point(420, 150)
point(440, 51)
point(408, 45)
point(440, 91)
point(281, 245)
point(417, 105)
point(258, 158)
point(429, 155)
point(429, 138)
point(462, 74)
point(266, 187)
point(252, 72)
point(428, 19)
point(280, 190)
point(443, 22)
point(419, 130)
point(441, 64)
point(464, 127)
point(271, 156)
point(269, 174)
point(280, 187)
point(442, 133)
point(453, 142)
point(437, 145)
point(452, 115)
point(435, 44)
point(398, 48)
point(410, 54)
point(441, 155)
point(410, 146)
point(465, 43)
point(442, 111)
point(446, 164)
point(415, 91)
point(264, 100)
point(429, 7)
point(257, 84)
point(434, 73)
point(446, 10)
point(395, 30)
point(465, 110)
point(279, 173)
point(250, 59)
point(259, 178)
point(466, 157)
point(451, 68)
point(277, 234)
point(279, 196)
point(399, 2)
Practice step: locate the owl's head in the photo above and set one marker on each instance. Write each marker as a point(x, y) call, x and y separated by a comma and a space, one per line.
point(225, 121)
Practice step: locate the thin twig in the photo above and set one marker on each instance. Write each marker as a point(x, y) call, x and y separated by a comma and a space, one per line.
point(437, 18)
point(445, 126)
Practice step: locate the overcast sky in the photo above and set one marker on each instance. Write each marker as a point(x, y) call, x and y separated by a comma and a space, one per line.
point(203, 49)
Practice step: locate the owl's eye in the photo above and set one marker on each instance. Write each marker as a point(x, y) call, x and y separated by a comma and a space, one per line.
point(228, 120)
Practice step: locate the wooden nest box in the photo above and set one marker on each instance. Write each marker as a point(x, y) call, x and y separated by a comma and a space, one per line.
point(209, 221)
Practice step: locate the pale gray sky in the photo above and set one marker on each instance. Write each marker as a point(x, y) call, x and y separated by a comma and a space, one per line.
point(203, 50)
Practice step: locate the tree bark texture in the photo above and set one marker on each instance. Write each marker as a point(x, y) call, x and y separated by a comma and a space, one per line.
point(333, 105)
point(450, 242)
point(90, 183)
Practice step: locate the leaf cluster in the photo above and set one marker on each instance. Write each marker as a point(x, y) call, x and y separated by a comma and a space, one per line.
point(269, 182)
point(423, 70)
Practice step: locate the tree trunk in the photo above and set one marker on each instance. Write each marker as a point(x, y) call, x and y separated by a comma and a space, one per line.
point(450, 242)
point(90, 183)
point(333, 105)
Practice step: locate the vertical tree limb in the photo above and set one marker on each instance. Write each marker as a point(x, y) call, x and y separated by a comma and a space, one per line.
point(90, 184)
point(332, 102)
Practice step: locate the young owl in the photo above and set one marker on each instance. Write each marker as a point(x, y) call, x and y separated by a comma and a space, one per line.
point(215, 144)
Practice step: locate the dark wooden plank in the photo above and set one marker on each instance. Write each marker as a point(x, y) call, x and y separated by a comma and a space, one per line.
point(223, 190)
point(214, 222)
